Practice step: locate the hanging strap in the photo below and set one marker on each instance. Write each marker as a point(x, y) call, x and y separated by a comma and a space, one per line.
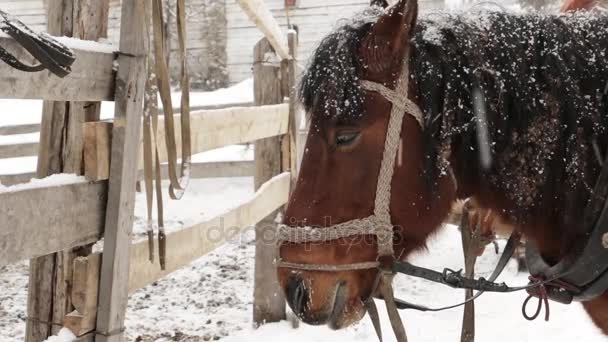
point(178, 185)
point(159, 83)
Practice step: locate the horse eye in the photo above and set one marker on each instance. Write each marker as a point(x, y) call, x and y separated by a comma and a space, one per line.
point(344, 139)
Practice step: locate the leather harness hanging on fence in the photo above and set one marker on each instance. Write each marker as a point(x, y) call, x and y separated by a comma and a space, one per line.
point(159, 83)
point(52, 55)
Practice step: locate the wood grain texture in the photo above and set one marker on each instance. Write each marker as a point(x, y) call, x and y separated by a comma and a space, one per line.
point(91, 79)
point(75, 220)
point(130, 87)
point(186, 245)
point(85, 287)
point(97, 145)
point(268, 88)
point(212, 129)
point(61, 150)
point(19, 150)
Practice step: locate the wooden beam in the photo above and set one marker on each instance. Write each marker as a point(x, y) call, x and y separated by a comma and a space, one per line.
point(218, 128)
point(261, 16)
point(61, 145)
point(76, 219)
point(244, 168)
point(268, 300)
point(91, 79)
point(8, 180)
point(85, 287)
point(130, 88)
point(97, 145)
point(19, 150)
point(19, 129)
point(241, 168)
point(33, 128)
point(186, 245)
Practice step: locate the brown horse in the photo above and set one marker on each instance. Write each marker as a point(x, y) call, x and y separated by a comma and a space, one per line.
point(536, 85)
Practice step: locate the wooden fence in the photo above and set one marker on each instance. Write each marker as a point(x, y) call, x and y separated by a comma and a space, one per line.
point(54, 225)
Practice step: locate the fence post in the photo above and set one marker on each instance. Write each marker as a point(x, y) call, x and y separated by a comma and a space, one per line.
point(130, 87)
point(60, 150)
point(268, 300)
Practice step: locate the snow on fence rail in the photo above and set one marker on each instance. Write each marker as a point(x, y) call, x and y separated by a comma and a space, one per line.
point(91, 79)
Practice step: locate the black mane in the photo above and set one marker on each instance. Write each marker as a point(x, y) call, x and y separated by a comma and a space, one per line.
point(540, 82)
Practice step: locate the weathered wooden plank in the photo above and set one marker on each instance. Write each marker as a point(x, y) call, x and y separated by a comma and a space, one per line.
point(32, 128)
point(60, 151)
point(187, 245)
point(91, 79)
point(244, 168)
point(130, 88)
point(74, 220)
point(19, 129)
point(84, 294)
point(268, 88)
point(8, 180)
point(19, 150)
point(218, 128)
point(97, 145)
point(259, 13)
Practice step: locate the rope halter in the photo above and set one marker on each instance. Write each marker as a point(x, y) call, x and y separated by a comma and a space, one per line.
point(378, 224)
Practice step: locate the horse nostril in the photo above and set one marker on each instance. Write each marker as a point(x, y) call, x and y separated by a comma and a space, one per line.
point(296, 295)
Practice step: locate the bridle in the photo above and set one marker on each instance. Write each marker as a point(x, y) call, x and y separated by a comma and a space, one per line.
point(546, 281)
point(379, 223)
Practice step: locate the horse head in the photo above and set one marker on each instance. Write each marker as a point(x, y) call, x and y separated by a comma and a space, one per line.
point(338, 180)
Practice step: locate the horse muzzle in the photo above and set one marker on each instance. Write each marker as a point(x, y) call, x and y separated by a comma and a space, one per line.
point(335, 312)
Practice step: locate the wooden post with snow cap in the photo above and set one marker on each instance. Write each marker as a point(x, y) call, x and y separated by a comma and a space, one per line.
point(268, 300)
point(60, 151)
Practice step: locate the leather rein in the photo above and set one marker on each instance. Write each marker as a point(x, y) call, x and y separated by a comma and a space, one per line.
point(545, 282)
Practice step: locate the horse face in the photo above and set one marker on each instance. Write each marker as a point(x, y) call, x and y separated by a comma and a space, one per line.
point(339, 174)
point(337, 183)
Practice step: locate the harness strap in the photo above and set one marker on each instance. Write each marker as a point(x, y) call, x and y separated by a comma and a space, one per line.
point(178, 184)
point(456, 280)
point(158, 83)
point(386, 290)
point(372, 310)
point(52, 55)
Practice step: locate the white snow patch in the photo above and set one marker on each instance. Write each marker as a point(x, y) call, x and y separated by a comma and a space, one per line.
point(87, 45)
point(54, 180)
point(64, 335)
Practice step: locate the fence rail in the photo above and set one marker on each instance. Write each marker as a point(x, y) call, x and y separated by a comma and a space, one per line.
point(91, 79)
point(42, 220)
point(241, 168)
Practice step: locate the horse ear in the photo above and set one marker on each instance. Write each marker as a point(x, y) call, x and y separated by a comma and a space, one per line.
point(386, 44)
point(379, 3)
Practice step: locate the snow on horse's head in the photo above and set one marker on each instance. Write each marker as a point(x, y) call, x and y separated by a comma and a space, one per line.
point(510, 107)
